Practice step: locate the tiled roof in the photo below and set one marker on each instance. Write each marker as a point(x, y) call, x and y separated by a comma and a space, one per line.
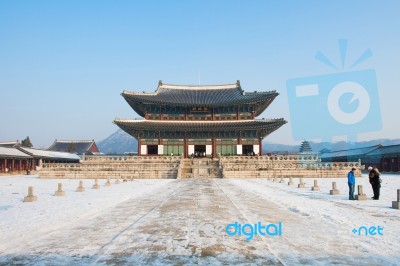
point(200, 126)
point(210, 95)
point(385, 150)
point(9, 143)
point(349, 153)
point(12, 153)
point(79, 146)
point(49, 154)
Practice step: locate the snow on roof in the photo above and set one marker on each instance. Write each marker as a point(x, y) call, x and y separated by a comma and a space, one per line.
point(49, 154)
point(9, 143)
point(12, 152)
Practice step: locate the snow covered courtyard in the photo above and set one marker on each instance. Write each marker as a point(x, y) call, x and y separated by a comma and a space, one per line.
point(180, 222)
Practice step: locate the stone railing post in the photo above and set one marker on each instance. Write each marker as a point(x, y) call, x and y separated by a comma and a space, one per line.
point(59, 191)
point(301, 184)
point(396, 204)
point(315, 187)
point(80, 187)
point(30, 197)
point(360, 195)
point(96, 184)
point(334, 190)
point(108, 183)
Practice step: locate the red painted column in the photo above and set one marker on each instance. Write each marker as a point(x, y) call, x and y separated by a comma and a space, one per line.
point(214, 148)
point(139, 145)
point(185, 148)
point(5, 164)
point(13, 165)
point(20, 165)
point(260, 146)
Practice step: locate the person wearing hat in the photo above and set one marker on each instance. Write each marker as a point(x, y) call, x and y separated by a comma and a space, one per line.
point(351, 181)
point(375, 181)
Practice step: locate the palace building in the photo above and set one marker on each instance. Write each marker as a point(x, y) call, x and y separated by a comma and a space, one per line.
point(204, 120)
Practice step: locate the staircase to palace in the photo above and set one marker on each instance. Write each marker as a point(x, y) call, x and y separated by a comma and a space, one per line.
point(199, 168)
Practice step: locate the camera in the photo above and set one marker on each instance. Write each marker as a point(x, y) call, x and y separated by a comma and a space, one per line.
point(325, 106)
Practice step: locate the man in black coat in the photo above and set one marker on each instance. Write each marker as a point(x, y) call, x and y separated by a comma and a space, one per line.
point(375, 181)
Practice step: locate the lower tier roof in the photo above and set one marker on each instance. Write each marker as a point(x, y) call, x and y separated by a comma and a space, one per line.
point(263, 126)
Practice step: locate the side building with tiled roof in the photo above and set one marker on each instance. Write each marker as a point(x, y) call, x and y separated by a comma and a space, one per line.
point(350, 155)
point(80, 147)
point(206, 120)
point(386, 158)
point(20, 159)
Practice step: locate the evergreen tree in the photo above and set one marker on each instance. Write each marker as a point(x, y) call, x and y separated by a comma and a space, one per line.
point(26, 143)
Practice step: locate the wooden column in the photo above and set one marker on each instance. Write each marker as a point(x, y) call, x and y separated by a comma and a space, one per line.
point(13, 165)
point(20, 165)
point(185, 148)
point(139, 145)
point(260, 146)
point(214, 148)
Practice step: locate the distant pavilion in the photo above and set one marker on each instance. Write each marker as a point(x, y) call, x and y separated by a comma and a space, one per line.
point(187, 120)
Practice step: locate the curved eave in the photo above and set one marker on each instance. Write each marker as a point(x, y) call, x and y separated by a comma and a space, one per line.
point(264, 104)
point(134, 127)
point(134, 104)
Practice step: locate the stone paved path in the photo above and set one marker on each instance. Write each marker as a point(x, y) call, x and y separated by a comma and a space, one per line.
point(184, 223)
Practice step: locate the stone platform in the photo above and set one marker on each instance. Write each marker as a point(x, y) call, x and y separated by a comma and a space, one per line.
point(175, 167)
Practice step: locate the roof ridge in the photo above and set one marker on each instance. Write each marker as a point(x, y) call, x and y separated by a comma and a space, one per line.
point(216, 86)
point(367, 147)
point(73, 141)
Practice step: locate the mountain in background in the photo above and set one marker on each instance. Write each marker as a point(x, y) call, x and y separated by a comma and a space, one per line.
point(120, 142)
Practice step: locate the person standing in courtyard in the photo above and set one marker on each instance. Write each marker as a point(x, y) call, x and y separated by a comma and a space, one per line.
point(351, 181)
point(375, 181)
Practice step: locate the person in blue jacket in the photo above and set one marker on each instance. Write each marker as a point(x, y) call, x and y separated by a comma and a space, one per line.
point(351, 180)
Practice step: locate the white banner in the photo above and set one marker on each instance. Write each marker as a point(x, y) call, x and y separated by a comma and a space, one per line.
point(161, 150)
point(239, 149)
point(256, 149)
point(143, 149)
point(190, 149)
point(208, 149)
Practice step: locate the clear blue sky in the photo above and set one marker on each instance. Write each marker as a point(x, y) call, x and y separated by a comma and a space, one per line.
point(63, 64)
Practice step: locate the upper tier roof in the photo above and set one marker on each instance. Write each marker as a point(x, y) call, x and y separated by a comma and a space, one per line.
point(201, 95)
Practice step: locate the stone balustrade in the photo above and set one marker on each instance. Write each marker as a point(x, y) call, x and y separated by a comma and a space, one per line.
point(127, 167)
